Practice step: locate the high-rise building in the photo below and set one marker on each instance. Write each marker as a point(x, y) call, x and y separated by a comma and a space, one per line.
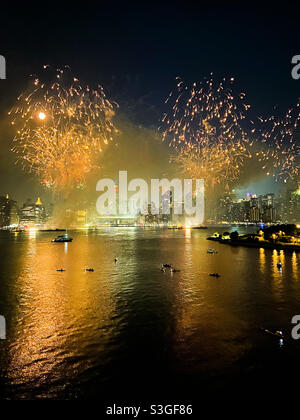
point(255, 214)
point(9, 214)
point(289, 205)
point(267, 209)
point(33, 213)
point(225, 207)
point(253, 209)
point(295, 206)
point(166, 208)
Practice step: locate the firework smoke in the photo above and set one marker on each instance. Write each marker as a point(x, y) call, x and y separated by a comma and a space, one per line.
point(203, 124)
point(62, 129)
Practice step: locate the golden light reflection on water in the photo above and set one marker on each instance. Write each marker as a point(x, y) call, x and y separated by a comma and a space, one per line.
point(187, 232)
point(188, 248)
point(278, 257)
point(53, 308)
point(295, 266)
point(262, 260)
point(67, 324)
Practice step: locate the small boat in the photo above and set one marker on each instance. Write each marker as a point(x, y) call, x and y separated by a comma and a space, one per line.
point(52, 230)
point(175, 227)
point(212, 251)
point(279, 266)
point(173, 270)
point(61, 270)
point(215, 275)
point(199, 227)
point(166, 266)
point(63, 238)
point(17, 230)
point(89, 270)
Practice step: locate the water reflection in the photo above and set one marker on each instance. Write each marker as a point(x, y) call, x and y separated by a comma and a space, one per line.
point(277, 258)
point(295, 271)
point(262, 260)
point(130, 319)
point(59, 313)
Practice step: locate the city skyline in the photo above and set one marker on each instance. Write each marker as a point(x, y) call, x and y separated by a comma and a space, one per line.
point(141, 90)
point(150, 204)
point(268, 208)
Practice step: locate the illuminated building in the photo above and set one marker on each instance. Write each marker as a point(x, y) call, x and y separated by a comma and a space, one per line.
point(33, 213)
point(289, 205)
point(224, 208)
point(253, 209)
point(167, 208)
point(254, 214)
point(151, 218)
point(8, 212)
point(81, 217)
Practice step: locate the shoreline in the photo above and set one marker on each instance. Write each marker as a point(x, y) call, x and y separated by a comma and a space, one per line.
point(264, 245)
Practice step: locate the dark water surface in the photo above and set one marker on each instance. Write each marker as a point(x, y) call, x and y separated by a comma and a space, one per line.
point(130, 330)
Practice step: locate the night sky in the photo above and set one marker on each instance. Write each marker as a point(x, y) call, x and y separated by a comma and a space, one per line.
point(136, 50)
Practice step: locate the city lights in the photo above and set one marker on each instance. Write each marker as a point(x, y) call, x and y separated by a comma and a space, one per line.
point(150, 205)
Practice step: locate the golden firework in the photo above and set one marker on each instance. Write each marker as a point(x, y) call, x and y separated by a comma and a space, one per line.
point(280, 137)
point(62, 128)
point(203, 124)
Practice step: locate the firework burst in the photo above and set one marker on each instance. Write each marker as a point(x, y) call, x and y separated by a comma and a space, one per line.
point(62, 128)
point(203, 124)
point(280, 138)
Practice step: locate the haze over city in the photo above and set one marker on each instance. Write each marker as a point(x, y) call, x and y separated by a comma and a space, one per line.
point(141, 88)
point(150, 204)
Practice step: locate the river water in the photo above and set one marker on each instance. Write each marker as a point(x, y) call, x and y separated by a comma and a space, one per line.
point(129, 330)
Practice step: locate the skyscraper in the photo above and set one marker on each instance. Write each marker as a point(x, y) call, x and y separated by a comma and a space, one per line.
point(33, 213)
point(8, 212)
